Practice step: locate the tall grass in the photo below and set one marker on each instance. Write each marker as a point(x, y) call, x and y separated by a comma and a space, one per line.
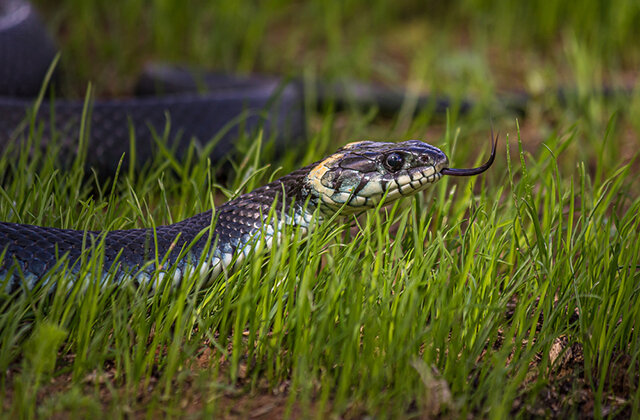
point(428, 306)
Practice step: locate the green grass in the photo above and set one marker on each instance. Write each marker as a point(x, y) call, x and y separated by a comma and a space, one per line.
point(515, 292)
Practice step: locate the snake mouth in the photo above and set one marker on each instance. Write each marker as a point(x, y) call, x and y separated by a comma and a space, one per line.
point(474, 171)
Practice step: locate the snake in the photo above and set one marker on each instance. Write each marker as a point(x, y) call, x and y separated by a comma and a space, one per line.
point(357, 177)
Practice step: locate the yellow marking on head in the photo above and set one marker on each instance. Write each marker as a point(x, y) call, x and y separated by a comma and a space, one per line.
point(352, 144)
point(316, 174)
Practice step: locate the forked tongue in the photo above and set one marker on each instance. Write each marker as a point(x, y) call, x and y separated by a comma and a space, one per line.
point(473, 171)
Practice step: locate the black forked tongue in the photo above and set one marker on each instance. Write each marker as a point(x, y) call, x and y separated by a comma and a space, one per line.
point(474, 171)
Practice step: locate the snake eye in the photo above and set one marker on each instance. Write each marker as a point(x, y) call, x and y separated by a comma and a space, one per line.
point(394, 161)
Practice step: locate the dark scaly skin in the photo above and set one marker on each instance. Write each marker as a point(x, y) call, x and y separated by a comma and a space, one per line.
point(355, 178)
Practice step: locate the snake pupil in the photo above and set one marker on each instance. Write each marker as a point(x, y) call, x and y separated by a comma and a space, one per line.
point(394, 161)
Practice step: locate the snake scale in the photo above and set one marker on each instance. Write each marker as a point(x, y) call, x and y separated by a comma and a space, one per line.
point(355, 178)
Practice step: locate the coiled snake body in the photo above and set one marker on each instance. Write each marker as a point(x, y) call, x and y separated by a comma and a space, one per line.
point(356, 177)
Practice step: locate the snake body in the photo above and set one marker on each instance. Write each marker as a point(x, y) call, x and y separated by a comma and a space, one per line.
point(355, 178)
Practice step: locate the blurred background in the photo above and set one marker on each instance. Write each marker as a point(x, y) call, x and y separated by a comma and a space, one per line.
point(473, 49)
point(471, 46)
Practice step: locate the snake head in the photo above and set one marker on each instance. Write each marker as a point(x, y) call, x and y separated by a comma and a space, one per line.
point(359, 175)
